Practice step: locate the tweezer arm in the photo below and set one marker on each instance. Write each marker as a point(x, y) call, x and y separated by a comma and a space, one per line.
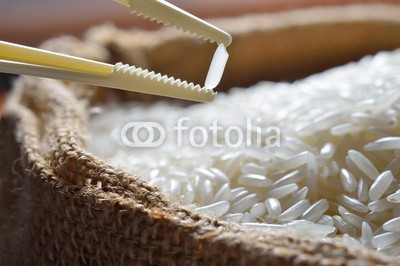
point(25, 54)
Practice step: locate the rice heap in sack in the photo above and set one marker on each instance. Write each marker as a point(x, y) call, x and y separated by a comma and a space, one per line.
point(319, 156)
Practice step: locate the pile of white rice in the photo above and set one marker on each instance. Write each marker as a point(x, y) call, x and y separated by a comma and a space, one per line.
point(332, 169)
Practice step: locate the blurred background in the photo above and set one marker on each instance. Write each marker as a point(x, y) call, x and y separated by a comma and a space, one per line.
point(30, 22)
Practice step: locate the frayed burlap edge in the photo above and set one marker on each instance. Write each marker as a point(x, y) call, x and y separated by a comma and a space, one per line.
point(61, 205)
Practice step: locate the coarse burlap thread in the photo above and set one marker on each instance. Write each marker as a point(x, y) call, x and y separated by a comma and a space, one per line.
point(61, 205)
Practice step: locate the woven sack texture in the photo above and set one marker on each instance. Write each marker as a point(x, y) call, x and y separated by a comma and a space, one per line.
point(61, 205)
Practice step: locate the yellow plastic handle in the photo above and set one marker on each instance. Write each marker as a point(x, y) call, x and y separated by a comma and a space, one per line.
point(25, 54)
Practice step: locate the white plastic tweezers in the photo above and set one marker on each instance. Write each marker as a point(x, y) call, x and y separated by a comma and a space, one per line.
point(25, 60)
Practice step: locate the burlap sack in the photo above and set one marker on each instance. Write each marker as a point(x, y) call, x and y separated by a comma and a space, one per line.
point(61, 205)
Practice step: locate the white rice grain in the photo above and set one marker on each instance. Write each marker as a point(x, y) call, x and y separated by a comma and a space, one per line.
point(258, 210)
point(254, 180)
point(244, 204)
point(282, 191)
point(223, 194)
point(349, 182)
point(328, 150)
point(310, 229)
point(385, 239)
point(295, 211)
point(273, 207)
point(363, 164)
point(388, 143)
point(362, 190)
point(366, 235)
point(315, 211)
point(293, 177)
point(292, 162)
point(253, 168)
point(380, 205)
point(381, 184)
point(296, 197)
point(218, 208)
point(395, 197)
point(353, 219)
point(353, 204)
point(392, 225)
point(338, 148)
point(264, 226)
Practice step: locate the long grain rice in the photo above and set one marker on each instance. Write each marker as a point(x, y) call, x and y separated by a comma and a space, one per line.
point(334, 172)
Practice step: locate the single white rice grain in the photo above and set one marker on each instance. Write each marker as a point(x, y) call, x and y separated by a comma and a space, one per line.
point(328, 150)
point(380, 185)
point(388, 143)
point(362, 190)
point(293, 177)
point(334, 167)
point(217, 208)
point(244, 204)
point(224, 193)
point(392, 225)
point(380, 205)
point(258, 210)
point(363, 164)
point(282, 191)
point(392, 250)
point(395, 197)
point(385, 239)
point(315, 211)
point(366, 235)
point(206, 192)
point(310, 229)
point(348, 181)
point(311, 178)
point(254, 180)
point(353, 204)
point(264, 226)
point(295, 211)
point(344, 129)
point(253, 168)
point(273, 207)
